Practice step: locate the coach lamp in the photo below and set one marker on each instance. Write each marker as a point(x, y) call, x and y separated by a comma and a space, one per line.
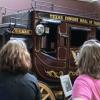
point(39, 29)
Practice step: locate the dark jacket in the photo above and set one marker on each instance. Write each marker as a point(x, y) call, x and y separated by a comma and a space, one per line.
point(19, 87)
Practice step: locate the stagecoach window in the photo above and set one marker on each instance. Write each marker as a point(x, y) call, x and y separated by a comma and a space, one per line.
point(78, 36)
point(49, 41)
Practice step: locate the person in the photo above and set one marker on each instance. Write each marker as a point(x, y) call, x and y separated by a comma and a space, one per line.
point(15, 81)
point(87, 84)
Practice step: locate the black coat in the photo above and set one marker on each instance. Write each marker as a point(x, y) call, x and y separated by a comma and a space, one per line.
point(19, 87)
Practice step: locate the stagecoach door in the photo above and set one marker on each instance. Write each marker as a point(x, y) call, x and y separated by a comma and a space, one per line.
point(63, 44)
point(52, 47)
point(54, 41)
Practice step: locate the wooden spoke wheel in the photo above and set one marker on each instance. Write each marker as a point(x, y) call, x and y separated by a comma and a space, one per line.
point(46, 92)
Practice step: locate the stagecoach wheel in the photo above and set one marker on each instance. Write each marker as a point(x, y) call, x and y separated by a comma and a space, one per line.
point(46, 92)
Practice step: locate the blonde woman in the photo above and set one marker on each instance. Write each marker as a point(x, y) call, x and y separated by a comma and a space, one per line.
point(87, 84)
point(15, 81)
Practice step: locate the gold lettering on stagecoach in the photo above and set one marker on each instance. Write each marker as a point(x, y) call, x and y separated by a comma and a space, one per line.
point(85, 21)
point(59, 17)
point(21, 31)
point(73, 19)
point(54, 74)
point(96, 23)
point(91, 22)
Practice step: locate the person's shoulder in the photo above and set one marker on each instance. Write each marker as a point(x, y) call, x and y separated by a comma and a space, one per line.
point(84, 78)
point(30, 77)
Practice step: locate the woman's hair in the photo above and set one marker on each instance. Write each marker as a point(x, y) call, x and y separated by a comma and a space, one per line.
point(89, 58)
point(14, 57)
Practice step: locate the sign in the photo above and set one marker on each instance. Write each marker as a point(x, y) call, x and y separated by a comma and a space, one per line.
point(21, 31)
point(66, 85)
point(75, 19)
point(69, 18)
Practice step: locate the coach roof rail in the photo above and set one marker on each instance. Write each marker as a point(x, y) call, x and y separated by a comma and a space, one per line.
point(7, 25)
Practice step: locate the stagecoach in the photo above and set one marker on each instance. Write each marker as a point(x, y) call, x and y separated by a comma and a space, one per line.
point(53, 40)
